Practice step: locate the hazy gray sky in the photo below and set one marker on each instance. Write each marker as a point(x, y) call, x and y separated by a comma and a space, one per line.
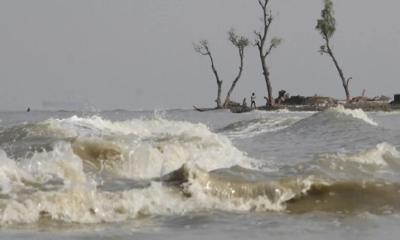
point(137, 54)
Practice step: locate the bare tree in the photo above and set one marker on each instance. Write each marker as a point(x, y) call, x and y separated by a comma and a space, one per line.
point(240, 42)
point(327, 27)
point(203, 49)
point(265, 49)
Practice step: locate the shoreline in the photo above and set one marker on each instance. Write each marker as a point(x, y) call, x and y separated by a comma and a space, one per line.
point(365, 106)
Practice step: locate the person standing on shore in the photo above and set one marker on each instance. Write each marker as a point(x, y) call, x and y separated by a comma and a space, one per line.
point(253, 100)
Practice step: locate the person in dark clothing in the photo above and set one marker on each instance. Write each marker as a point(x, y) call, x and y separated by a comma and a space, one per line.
point(253, 100)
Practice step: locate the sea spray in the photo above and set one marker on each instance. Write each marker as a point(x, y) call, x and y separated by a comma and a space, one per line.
point(11, 176)
point(94, 170)
point(79, 198)
point(138, 148)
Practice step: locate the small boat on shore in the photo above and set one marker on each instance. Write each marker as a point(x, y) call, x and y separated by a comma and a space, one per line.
point(204, 109)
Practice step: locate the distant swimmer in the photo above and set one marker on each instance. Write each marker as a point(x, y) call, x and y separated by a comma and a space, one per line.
point(28, 110)
point(253, 100)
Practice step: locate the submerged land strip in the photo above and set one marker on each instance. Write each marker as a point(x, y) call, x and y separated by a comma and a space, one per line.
point(317, 103)
point(265, 44)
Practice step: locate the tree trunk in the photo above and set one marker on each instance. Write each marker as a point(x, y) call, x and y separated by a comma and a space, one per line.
point(228, 95)
point(219, 82)
point(266, 77)
point(218, 100)
point(344, 82)
point(260, 42)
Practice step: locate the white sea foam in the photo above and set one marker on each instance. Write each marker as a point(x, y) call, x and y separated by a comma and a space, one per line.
point(284, 110)
point(153, 147)
point(55, 184)
point(356, 113)
point(380, 155)
point(10, 174)
point(78, 200)
point(251, 128)
point(210, 194)
point(59, 164)
point(82, 205)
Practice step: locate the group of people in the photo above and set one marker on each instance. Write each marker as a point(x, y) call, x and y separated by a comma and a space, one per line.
point(283, 96)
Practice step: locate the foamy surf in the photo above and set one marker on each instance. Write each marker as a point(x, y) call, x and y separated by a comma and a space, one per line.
point(254, 127)
point(94, 170)
point(56, 186)
point(238, 189)
point(138, 148)
point(84, 174)
point(151, 148)
point(354, 113)
point(332, 120)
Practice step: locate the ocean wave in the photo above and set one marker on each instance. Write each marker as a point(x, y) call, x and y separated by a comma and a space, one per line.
point(92, 171)
point(55, 186)
point(349, 197)
point(152, 147)
point(333, 119)
point(254, 127)
point(379, 162)
point(138, 148)
point(323, 184)
point(61, 186)
point(354, 113)
point(296, 194)
point(96, 170)
point(383, 155)
point(202, 192)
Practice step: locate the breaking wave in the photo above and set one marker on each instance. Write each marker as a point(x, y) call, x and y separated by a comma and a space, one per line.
point(354, 113)
point(137, 148)
point(94, 170)
point(251, 128)
point(333, 119)
point(346, 184)
point(91, 170)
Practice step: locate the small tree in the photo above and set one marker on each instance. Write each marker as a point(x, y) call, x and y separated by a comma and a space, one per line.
point(240, 42)
point(327, 27)
point(265, 49)
point(203, 49)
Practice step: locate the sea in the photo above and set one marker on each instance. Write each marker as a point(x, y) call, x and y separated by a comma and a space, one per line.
point(183, 174)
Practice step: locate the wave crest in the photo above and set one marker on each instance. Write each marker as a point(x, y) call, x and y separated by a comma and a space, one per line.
point(251, 128)
point(354, 113)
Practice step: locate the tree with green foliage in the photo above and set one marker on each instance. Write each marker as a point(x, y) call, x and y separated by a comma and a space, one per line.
point(240, 42)
point(327, 27)
point(265, 49)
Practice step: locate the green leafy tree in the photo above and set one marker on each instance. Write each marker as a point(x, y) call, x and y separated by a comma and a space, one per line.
point(327, 27)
